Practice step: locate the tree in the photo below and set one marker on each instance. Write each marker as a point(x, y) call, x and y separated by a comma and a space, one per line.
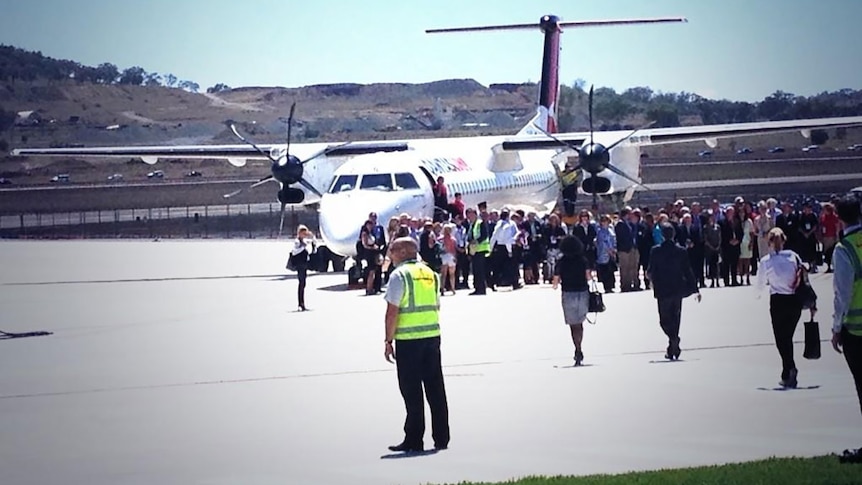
point(218, 88)
point(7, 119)
point(777, 106)
point(170, 80)
point(665, 116)
point(190, 86)
point(133, 76)
point(107, 73)
point(153, 79)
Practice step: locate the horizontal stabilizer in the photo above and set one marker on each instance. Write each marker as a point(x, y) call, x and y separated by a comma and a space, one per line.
point(575, 23)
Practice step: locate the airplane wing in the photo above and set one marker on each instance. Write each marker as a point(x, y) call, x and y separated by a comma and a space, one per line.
point(708, 133)
point(236, 155)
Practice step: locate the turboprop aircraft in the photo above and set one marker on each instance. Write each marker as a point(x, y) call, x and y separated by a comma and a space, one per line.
point(530, 168)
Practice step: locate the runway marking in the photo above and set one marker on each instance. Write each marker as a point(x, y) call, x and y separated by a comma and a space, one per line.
point(152, 280)
point(332, 374)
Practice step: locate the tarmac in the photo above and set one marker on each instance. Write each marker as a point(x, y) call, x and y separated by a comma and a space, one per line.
point(180, 362)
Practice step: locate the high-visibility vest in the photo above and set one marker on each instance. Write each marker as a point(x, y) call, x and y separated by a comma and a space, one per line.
point(418, 311)
point(483, 246)
point(852, 246)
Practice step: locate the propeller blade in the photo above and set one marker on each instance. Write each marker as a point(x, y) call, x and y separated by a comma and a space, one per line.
point(281, 222)
point(561, 142)
point(262, 181)
point(630, 135)
point(289, 126)
point(626, 176)
point(591, 114)
point(268, 178)
point(267, 155)
point(324, 152)
point(310, 187)
point(235, 192)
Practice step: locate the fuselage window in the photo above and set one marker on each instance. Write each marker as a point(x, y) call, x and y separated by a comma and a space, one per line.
point(343, 183)
point(376, 181)
point(405, 181)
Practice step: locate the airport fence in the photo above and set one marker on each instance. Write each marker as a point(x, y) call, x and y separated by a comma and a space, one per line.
point(249, 221)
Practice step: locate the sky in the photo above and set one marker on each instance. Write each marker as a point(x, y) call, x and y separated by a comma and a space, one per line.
point(730, 49)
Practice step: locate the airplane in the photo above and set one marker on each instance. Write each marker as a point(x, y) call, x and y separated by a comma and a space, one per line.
point(531, 168)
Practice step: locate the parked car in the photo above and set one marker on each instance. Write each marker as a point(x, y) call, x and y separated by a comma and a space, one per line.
point(776, 150)
point(810, 148)
point(194, 173)
point(857, 147)
point(744, 150)
point(61, 178)
point(5, 181)
point(705, 153)
point(156, 174)
point(116, 177)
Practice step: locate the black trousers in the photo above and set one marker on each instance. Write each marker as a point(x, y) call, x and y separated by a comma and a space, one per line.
point(606, 276)
point(501, 264)
point(785, 311)
point(853, 355)
point(418, 364)
point(462, 269)
point(301, 277)
point(480, 273)
point(669, 316)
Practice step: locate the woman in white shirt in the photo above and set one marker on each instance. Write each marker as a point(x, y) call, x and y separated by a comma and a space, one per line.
point(302, 248)
point(780, 270)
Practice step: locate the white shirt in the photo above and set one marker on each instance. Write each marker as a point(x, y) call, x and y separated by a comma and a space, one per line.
point(303, 245)
point(778, 271)
point(504, 233)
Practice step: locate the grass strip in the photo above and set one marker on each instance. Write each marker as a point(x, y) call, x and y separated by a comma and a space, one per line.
point(785, 471)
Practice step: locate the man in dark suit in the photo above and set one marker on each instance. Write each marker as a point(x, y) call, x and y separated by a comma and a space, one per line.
point(672, 280)
point(627, 251)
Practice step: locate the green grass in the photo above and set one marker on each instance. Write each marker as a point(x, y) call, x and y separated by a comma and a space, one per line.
point(784, 471)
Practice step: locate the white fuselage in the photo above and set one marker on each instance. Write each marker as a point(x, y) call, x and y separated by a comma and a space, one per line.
point(395, 183)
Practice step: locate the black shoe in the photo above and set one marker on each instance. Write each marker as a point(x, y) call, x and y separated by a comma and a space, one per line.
point(441, 446)
point(477, 293)
point(406, 448)
point(790, 381)
point(579, 357)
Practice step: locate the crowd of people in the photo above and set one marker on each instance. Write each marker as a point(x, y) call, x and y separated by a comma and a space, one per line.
point(676, 250)
point(724, 243)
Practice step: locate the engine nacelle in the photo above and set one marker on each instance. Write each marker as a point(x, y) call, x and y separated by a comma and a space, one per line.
point(289, 195)
point(596, 185)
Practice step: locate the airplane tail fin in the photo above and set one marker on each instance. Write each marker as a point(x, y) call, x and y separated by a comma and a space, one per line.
point(549, 88)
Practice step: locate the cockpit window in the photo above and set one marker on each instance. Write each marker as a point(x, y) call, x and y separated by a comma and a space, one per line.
point(343, 183)
point(404, 181)
point(376, 181)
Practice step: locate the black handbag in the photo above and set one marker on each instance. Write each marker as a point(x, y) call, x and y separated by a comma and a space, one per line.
point(291, 263)
point(596, 304)
point(812, 340)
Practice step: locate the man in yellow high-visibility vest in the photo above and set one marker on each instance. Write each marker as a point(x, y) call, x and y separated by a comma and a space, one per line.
point(847, 285)
point(413, 324)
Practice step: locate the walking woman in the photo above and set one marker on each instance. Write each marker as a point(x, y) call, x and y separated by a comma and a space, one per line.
point(302, 249)
point(780, 270)
point(572, 273)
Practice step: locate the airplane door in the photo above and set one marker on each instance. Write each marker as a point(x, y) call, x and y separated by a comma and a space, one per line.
point(416, 198)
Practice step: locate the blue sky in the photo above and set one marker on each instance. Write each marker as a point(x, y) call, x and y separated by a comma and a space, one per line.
point(735, 49)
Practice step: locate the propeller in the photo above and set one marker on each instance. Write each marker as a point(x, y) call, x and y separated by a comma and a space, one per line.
point(286, 169)
point(594, 157)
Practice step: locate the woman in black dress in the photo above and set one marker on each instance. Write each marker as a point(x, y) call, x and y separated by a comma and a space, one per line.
point(572, 273)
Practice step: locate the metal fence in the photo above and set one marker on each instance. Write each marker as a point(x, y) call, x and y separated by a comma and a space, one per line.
point(249, 221)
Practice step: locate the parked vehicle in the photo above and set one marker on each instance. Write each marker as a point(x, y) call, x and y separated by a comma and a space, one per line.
point(776, 150)
point(194, 173)
point(61, 178)
point(156, 174)
point(744, 151)
point(705, 153)
point(810, 148)
point(115, 177)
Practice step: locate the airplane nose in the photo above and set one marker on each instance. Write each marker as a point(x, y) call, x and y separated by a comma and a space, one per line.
point(340, 221)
